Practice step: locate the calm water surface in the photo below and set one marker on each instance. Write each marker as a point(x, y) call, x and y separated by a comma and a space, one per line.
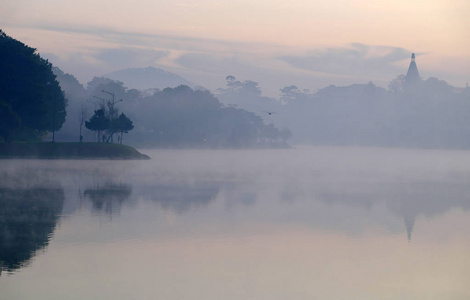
point(306, 223)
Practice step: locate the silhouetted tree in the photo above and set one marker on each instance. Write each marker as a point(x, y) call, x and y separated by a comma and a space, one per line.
point(247, 87)
point(29, 87)
point(9, 121)
point(396, 85)
point(98, 122)
point(122, 125)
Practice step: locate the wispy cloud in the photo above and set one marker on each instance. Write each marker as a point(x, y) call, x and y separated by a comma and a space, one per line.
point(213, 63)
point(163, 41)
point(208, 61)
point(357, 59)
point(127, 56)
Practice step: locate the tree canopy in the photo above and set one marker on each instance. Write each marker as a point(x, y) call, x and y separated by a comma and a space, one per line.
point(183, 117)
point(30, 90)
point(9, 121)
point(98, 122)
point(122, 125)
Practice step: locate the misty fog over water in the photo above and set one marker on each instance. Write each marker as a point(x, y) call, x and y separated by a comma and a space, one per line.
point(299, 150)
point(308, 222)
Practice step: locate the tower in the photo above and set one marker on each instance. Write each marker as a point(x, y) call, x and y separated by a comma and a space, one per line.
point(412, 77)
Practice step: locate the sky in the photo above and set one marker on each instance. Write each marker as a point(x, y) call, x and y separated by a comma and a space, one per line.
point(278, 43)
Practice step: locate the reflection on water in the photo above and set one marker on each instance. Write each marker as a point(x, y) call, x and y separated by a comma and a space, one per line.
point(327, 223)
point(181, 198)
point(28, 217)
point(108, 198)
point(427, 199)
point(407, 200)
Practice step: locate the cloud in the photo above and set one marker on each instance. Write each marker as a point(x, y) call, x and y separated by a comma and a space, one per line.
point(130, 57)
point(154, 40)
point(93, 51)
point(50, 56)
point(355, 60)
point(211, 63)
point(210, 69)
point(358, 63)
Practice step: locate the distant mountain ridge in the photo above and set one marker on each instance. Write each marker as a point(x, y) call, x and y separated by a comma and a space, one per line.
point(148, 78)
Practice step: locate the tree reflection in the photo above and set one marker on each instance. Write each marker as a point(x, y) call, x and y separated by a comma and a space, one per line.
point(182, 197)
point(28, 217)
point(108, 198)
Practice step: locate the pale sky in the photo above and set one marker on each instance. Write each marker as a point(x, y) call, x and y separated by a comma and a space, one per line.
point(277, 43)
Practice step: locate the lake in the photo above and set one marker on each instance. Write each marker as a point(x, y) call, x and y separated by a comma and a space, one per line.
point(303, 223)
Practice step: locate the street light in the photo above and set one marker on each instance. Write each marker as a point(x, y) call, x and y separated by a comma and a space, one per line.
point(111, 104)
point(112, 112)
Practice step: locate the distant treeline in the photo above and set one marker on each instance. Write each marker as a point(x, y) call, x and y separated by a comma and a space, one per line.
point(172, 117)
point(33, 105)
point(428, 114)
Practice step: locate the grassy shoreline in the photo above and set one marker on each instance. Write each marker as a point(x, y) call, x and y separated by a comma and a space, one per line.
point(68, 151)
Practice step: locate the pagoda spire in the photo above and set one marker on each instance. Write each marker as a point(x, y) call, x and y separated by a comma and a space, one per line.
point(412, 76)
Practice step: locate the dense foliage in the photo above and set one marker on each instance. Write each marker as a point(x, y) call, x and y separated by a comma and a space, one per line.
point(185, 117)
point(172, 117)
point(122, 125)
point(98, 123)
point(433, 114)
point(102, 121)
point(30, 96)
point(429, 113)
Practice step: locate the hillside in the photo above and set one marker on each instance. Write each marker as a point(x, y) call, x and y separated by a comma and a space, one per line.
point(148, 78)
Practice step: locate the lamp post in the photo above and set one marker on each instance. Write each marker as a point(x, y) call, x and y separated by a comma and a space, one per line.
point(112, 112)
point(111, 104)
